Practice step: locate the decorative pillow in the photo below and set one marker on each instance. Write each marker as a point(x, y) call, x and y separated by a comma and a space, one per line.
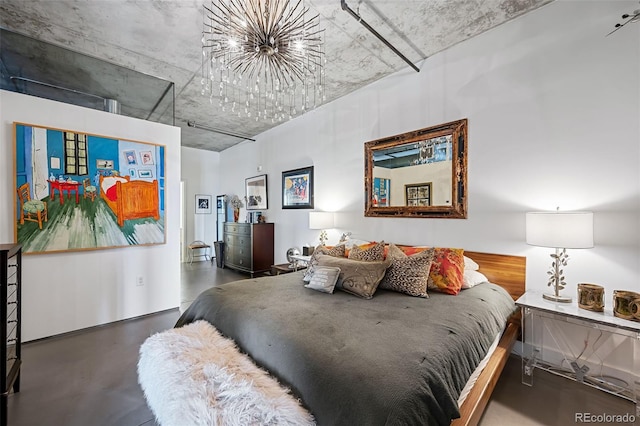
point(355, 242)
point(337, 251)
point(472, 278)
point(362, 245)
point(408, 274)
point(357, 277)
point(446, 274)
point(371, 254)
point(470, 264)
point(324, 278)
point(411, 250)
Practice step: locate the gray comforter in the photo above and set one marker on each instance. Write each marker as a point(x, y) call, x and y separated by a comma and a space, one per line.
point(391, 360)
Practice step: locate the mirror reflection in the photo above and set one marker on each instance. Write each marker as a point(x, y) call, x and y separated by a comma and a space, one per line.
point(419, 173)
point(396, 169)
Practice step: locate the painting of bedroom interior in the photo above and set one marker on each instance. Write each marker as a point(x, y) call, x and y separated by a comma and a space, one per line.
point(78, 191)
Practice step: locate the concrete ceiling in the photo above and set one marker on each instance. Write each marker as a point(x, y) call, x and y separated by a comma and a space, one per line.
point(141, 52)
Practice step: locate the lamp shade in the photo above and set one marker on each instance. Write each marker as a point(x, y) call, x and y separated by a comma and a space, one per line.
point(320, 220)
point(560, 229)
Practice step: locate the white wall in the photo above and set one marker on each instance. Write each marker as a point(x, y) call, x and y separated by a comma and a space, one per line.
point(63, 292)
point(200, 174)
point(554, 120)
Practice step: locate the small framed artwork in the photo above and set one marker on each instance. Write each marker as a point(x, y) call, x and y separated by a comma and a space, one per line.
point(256, 192)
point(297, 188)
point(104, 164)
point(130, 157)
point(381, 187)
point(146, 158)
point(203, 204)
point(418, 194)
point(132, 172)
point(146, 173)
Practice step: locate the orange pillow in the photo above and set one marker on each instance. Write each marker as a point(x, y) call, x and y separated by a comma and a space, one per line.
point(447, 270)
point(411, 250)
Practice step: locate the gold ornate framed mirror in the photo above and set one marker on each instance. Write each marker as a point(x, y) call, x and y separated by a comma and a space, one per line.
point(422, 173)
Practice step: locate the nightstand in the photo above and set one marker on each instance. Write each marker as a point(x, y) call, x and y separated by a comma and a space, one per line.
point(301, 260)
point(594, 348)
point(285, 268)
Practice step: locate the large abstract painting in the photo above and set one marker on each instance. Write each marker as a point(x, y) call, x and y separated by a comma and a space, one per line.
point(78, 191)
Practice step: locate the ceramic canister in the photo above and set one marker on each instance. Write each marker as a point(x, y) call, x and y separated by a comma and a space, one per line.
point(591, 297)
point(626, 304)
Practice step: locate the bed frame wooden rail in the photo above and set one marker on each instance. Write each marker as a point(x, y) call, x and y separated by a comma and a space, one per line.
point(509, 272)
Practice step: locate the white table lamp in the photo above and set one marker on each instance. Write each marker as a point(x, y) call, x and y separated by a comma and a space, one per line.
point(323, 221)
point(562, 231)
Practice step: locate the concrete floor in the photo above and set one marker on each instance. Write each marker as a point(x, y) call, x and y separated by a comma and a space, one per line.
point(89, 377)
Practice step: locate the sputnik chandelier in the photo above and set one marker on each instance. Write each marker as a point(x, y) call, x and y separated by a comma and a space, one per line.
point(262, 59)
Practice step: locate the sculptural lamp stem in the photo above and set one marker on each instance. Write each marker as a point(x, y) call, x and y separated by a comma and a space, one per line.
point(559, 230)
point(323, 237)
point(556, 279)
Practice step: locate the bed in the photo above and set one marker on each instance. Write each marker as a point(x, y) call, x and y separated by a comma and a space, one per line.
point(393, 359)
point(130, 199)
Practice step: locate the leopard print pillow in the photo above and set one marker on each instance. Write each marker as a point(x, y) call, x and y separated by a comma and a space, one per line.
point(374, 253)
point(408, 274)
point(335, 251)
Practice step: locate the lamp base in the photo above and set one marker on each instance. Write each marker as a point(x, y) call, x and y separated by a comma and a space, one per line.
point(558, 298)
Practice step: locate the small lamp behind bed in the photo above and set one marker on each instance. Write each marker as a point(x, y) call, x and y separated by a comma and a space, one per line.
point(323, 221)
point(559, 230)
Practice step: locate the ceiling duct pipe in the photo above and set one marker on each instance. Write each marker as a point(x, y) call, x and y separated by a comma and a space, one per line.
point(112, 106)
point(358, 18)
point(222, 132)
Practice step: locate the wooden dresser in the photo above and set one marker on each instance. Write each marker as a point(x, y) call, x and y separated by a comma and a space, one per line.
point(248, 247)
point(10, 293)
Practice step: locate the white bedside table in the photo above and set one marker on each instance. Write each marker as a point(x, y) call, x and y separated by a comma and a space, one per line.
point(301, 261)
point(594, 348)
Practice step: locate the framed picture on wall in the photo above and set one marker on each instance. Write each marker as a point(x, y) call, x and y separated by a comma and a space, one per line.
point(203, 204)
point(104, 164)
point(130, 157)
point(256, 192)
point(381, 187)
point(55, 169)
point(297, 188)
point(146, 157)
point(418, 194)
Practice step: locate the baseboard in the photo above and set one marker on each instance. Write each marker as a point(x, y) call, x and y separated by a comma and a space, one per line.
point(94, 327)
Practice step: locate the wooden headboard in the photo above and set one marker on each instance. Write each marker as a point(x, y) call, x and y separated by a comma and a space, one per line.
point(509, 272)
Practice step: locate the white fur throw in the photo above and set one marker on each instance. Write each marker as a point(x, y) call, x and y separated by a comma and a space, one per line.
point(194, 376)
